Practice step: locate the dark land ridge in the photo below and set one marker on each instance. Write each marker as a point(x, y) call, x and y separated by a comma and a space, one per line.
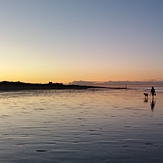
point(7, 86)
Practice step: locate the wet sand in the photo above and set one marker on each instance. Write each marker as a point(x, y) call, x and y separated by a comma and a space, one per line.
point(106, 126)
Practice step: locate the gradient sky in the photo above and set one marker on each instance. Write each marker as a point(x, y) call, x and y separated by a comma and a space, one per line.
point(92, 40)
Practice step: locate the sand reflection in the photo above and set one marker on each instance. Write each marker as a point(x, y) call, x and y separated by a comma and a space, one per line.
point(80, 126)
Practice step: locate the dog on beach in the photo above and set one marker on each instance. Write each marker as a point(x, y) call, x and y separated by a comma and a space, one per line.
point(146, 97)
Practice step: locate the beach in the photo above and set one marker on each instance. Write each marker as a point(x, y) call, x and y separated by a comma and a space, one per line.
point(81, 126)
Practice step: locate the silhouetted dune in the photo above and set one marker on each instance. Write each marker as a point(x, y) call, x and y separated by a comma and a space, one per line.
point(6, 86)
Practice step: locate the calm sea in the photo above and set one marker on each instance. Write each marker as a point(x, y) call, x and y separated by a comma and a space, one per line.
point(91, 126)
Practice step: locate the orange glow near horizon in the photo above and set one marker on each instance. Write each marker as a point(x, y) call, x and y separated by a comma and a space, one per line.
point(68, 77)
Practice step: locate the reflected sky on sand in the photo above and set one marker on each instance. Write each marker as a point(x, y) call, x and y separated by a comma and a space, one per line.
point(106, 126)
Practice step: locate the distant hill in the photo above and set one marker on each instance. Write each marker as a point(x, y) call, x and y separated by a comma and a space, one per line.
point(118, 83)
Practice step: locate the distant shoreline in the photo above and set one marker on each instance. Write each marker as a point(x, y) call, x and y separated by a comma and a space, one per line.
point(13, 86)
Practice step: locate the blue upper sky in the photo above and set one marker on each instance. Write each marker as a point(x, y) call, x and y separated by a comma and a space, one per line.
point(65, 40)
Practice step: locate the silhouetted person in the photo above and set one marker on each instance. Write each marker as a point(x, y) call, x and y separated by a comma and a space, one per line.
point(153, 104)
point(153, 92)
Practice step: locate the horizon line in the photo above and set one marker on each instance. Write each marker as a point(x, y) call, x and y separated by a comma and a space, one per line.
point(92, 81)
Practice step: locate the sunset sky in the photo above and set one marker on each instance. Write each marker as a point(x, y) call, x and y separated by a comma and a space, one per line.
point(91, 40)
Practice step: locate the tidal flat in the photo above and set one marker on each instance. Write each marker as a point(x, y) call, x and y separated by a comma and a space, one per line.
point(80, 126)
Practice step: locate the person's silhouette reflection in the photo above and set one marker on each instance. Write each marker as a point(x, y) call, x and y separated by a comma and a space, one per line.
point(153, 103)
